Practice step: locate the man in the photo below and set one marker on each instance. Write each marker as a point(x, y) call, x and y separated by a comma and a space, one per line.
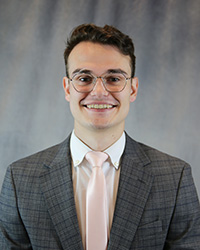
point(151, 199)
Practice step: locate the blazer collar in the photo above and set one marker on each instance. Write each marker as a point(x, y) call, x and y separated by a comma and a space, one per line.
point(57, 188)
point(134, 187)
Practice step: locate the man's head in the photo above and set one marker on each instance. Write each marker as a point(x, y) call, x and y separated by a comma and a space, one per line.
point(99, 85)
point(107, 35)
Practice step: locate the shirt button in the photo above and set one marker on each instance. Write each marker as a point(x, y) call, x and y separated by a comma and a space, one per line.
point(77, 162)
point(116, 164)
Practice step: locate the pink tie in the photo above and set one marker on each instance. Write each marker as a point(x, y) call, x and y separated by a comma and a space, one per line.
point(96, 204)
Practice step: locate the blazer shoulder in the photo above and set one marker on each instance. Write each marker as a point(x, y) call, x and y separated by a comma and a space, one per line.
point(157, 155)
point(36, 161)
point(157, 160)
point(163, 164)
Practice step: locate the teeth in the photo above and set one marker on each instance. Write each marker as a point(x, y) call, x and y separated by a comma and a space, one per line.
point(99, 106)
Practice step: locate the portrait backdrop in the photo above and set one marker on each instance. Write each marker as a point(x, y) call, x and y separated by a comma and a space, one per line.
point(33, 112)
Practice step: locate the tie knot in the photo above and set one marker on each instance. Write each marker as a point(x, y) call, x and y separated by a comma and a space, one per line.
point(96, 159)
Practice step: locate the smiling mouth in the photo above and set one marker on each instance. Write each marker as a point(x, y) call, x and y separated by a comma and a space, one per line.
point(99, 106)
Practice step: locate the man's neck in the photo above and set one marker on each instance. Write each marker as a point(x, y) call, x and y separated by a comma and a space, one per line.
point(98, 140)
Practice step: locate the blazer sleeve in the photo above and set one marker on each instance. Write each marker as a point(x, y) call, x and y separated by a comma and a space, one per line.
point(184, 229)
point(13, 234)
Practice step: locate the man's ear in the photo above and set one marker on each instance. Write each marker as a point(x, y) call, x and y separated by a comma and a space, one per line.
point(134, 89)
point(66, 88)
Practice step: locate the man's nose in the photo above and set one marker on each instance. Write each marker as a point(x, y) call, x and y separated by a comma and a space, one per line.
point(99, 88)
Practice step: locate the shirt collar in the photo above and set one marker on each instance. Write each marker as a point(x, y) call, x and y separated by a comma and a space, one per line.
point(79, 150)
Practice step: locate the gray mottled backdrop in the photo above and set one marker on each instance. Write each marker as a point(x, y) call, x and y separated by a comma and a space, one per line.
point(33, 112)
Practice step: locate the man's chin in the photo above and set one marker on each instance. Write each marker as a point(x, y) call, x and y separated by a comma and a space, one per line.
point(99, 126)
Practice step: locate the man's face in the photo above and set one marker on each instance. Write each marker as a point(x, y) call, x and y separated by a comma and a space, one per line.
point(98, 59)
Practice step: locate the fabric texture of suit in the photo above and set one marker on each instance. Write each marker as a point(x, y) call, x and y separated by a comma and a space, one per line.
point(157, 205)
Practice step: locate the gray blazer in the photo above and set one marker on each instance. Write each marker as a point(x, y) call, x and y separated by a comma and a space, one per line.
point(157, 205)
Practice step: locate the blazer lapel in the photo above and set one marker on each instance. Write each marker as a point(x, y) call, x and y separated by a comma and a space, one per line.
point(57, 188)
point(134, 187)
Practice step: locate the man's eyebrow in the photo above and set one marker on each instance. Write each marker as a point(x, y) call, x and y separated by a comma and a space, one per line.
point(84, 71)
point(109, 71)
point(116, 71)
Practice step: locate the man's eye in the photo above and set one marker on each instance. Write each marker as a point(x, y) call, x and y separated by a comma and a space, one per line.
point(113, 79)
point(84, 79)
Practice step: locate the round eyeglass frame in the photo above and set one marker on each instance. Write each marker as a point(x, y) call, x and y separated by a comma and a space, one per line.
point(95, 81)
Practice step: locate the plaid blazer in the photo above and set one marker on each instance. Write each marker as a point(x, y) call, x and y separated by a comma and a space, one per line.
point(157, 205)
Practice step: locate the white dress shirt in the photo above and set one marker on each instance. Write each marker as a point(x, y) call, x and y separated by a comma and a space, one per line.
point(81, 171)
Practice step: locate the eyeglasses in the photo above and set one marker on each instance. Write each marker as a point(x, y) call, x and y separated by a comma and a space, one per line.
point(113, 82)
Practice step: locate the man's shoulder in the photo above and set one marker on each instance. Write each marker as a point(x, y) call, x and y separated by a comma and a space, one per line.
point(155, 154)
point(155, 158)
point(44, 157)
